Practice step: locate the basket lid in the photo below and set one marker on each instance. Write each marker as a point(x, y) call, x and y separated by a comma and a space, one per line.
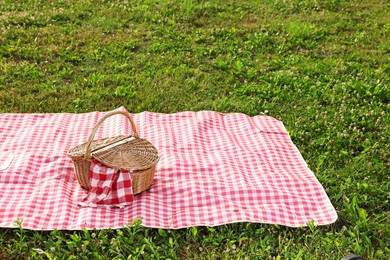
point(78, 152)
point(128, 154)
point(121, 152)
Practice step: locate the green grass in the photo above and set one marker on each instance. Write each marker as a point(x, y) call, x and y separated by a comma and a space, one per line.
point(321, 67)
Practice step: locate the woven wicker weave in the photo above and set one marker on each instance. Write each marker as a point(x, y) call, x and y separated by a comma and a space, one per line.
point(121, 152)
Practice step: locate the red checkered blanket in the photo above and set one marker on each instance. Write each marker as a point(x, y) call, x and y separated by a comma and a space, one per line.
point(214, 169)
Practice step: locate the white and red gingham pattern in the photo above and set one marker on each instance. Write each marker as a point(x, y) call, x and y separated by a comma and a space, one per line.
point(214, 169)
point(109, 187)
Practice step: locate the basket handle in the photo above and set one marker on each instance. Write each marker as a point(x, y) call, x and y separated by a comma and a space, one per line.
point(95, 128)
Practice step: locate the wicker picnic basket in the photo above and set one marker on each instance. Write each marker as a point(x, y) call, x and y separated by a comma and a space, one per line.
point(125, 152)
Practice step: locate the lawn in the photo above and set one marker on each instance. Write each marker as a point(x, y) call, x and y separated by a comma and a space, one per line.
point(321, 67)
